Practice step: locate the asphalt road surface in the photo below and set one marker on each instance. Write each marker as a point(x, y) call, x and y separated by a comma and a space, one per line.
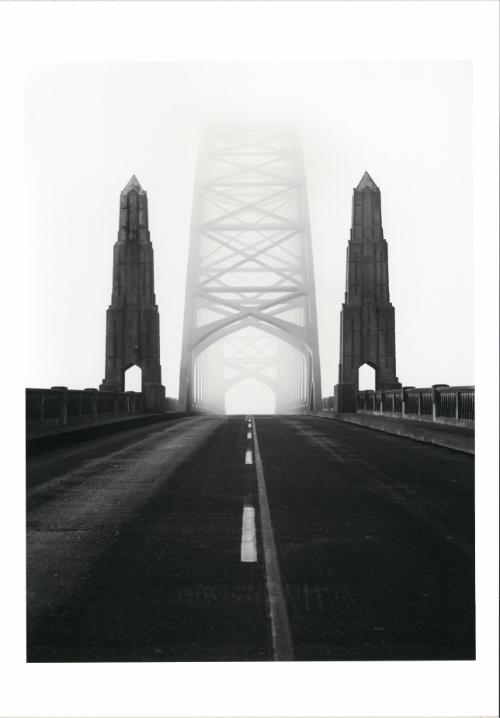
point(249, 539)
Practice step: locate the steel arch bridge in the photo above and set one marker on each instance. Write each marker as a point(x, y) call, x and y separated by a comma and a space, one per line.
point(250, 309)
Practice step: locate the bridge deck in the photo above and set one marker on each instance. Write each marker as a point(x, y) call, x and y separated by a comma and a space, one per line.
point(134, 544)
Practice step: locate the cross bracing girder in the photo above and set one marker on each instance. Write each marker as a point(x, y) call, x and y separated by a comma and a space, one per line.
point(249, 375)
point(273, 330)
point(250, 226)
point(245, 205)
point(201, 333)
point(209, 300)
point(250, 357)
point(250, 261)
point(269, 309)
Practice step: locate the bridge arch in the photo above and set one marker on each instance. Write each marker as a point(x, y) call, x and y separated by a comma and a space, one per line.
point(249, 350)
point(250, 261)
point(231, 327)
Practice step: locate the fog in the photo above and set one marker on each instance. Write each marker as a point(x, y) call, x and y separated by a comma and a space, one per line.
point(90, 127)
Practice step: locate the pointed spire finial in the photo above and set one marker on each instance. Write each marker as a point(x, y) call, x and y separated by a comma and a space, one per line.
point(133, 183)
point(366, 181)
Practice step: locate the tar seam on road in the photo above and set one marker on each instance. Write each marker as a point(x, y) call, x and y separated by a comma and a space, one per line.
point(280, 627)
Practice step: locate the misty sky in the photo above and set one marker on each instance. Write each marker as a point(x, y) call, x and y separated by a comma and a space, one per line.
point(90, 127)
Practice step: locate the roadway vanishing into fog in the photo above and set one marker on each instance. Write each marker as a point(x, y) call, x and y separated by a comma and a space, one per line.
point(249, 539)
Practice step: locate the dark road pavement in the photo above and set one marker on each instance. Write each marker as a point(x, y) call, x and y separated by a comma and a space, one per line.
point(211, 540)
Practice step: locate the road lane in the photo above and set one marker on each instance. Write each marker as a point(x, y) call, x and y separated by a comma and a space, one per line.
point(148, 546)
point(47, 466)
point(136, 556)
point(67, 510)
point(375, 541)
point(364, 466)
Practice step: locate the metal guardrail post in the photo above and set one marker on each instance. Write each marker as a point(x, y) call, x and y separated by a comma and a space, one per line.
point(93, 395)
point(42, 406)
point(405, 399)
point(79, 403)
point(436, 400)
point(130, 398)
point(62, 392)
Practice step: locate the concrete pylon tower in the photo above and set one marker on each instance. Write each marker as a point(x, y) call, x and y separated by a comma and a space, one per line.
point(367, 325)
point(132, 320)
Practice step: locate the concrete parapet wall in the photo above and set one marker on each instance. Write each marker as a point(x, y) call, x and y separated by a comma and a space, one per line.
point(60, 406)
point(458, 438)
point(71, 435)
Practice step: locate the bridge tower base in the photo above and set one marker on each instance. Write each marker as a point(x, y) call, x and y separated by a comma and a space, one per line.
point(344, 398)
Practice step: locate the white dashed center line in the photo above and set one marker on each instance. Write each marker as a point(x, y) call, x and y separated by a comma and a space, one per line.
point(248, 457)
point(280, 627)
point(248, 536)
point(249, 435)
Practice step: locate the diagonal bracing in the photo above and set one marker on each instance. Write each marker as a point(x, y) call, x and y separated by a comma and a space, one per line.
point(250, 279)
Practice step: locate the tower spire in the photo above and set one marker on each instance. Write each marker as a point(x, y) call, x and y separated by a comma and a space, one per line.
point(367, 322)
point(132, 320)
point(366, 182)
point(133, 183)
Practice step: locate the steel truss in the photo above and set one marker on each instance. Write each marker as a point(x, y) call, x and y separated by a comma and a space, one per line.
point(250, 268)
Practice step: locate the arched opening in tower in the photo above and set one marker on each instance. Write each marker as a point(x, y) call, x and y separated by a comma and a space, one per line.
point(366, 378)
point(133, 378)
point(250, 396)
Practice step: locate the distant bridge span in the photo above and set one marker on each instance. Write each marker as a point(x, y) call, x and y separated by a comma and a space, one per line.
point(250, 273)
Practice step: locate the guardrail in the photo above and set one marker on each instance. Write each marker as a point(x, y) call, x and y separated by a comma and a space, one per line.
point(440, 402)
point(59, 405)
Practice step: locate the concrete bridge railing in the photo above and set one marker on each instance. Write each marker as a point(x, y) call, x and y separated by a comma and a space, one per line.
point(59, 405)
point(440, 403)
